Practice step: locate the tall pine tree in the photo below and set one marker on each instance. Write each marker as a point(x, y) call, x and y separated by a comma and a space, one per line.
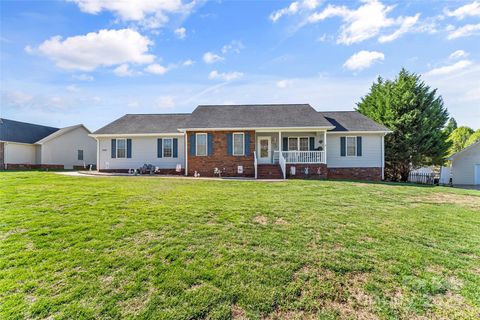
point(417, 117)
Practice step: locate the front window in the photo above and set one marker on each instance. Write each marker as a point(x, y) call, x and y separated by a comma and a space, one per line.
point(292, 144)
point(201, 144)
point(167, 148)
point(351, 146)
point(121, 148)
point(238, 144)
point(80, 154)
point(304, 144)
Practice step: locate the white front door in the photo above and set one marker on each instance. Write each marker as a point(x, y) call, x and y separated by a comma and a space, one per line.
point(264, 150)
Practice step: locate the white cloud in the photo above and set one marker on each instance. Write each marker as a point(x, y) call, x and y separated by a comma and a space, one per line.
point(95, 49)
point(210, 57)
point(156, 69)
point(471, 9)
point(294, 8)
point(363, 59)
point(149, 13)
point(123, 70)
point(165, 102)
point(458, 54)
point(453, 68)
point(17, 98)
point(283, 83)
point(82, 77)
point(181, 33)
point(406, 25)
point(72, 88)
point(226, 76)
point(188, 63)
point(364, 22)
point(234, 46)
point(464, 31)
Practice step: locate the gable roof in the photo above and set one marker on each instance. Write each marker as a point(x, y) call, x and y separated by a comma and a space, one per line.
point(352, 121)
point(145, 123)
point(60, 132)
point(256, 116)
point(22, 132)
point(473, 145)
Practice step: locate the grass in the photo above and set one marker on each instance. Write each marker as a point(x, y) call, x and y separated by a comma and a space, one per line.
point(133, 247)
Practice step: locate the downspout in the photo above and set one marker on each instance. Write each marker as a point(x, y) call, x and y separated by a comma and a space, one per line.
point(98, 154)
point(383, 156)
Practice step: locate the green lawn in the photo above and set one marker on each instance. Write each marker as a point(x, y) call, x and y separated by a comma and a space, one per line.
point(133, 247)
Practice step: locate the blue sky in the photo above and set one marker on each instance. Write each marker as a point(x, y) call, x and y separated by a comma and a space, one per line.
point(91, 61)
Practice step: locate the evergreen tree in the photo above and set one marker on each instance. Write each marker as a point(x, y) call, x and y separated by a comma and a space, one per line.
point(451, 125)
point(417, 117)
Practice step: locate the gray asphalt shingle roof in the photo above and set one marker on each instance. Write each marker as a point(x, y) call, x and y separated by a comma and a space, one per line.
point(256, 116)
point(16, 131)
point(145, 123)
point(351, 121)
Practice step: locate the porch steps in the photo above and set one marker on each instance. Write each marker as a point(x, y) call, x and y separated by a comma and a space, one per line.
point(269, 171)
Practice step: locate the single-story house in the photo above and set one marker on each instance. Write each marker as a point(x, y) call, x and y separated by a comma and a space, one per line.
point(32, 146)
point(465, 168)
point(262, 141)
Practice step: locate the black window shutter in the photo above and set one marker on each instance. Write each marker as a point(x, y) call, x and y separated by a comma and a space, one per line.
point(114, 148)
point(175, 147)
point(247, 143)
point(285, 144)
point(159, 148)
point(129, 148)
point(312, 143)
point(229, 144)
point(209, 144)
point(343, 147)
point(192, 144)
point(359, 146)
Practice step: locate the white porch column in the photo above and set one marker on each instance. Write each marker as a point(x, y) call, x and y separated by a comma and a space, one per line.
point(186, 153)
point(279, 142)
point(325, 145)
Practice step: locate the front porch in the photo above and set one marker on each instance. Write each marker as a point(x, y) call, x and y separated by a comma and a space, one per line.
point(285, 154)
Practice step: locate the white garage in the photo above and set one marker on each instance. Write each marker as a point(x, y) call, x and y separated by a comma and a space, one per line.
point(466, 166)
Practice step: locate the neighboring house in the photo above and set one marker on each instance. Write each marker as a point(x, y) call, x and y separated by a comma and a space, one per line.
point(264, 141)
point(31, 146)
point(465, 168)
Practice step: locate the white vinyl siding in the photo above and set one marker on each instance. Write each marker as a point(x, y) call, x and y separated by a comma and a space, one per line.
point(145, 152)
point(463, 166)
point(238, 144)
point(19, 153)
point(371, 152)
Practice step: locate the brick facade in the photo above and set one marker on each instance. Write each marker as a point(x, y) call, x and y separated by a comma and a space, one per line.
point(371, 174)
point(220, 159)
point(20, 166)
point(170, 172)
point(314, 171)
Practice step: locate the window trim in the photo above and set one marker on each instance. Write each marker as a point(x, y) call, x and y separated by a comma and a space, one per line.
point(298, 143)
point(83, 155)
point(196, 144)
point(243, 144)
point(117, 148)
point(163, 148)
point(346, 146)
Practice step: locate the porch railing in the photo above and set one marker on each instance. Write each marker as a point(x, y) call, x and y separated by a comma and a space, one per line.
point(302, 156)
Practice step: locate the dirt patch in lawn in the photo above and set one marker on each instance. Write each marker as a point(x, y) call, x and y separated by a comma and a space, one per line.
point(238, 313)
point(260, 220)
point(136, 304)
point(452, 306)
point(472, 202)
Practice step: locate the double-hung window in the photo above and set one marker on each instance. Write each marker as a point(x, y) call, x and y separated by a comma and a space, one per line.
point(80, 155)
point(167, 147)
point(201, 147)
point(238, 144)
point(298, 144)
point(351, 146)
point(121, 148)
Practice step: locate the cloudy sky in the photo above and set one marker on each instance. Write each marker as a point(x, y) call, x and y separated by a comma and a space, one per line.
point(91, 61)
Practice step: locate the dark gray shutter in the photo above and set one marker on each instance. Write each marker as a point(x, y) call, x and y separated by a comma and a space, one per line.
point(114, 148)
point(209, 144)
point(129, 148)
point(175, 147)
point(285, 144)
point(359, 146)
point(192, 144)
point(247, 143)
point(159, 148)
point(312, 143)
point(343, 147)
point(229, 144)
